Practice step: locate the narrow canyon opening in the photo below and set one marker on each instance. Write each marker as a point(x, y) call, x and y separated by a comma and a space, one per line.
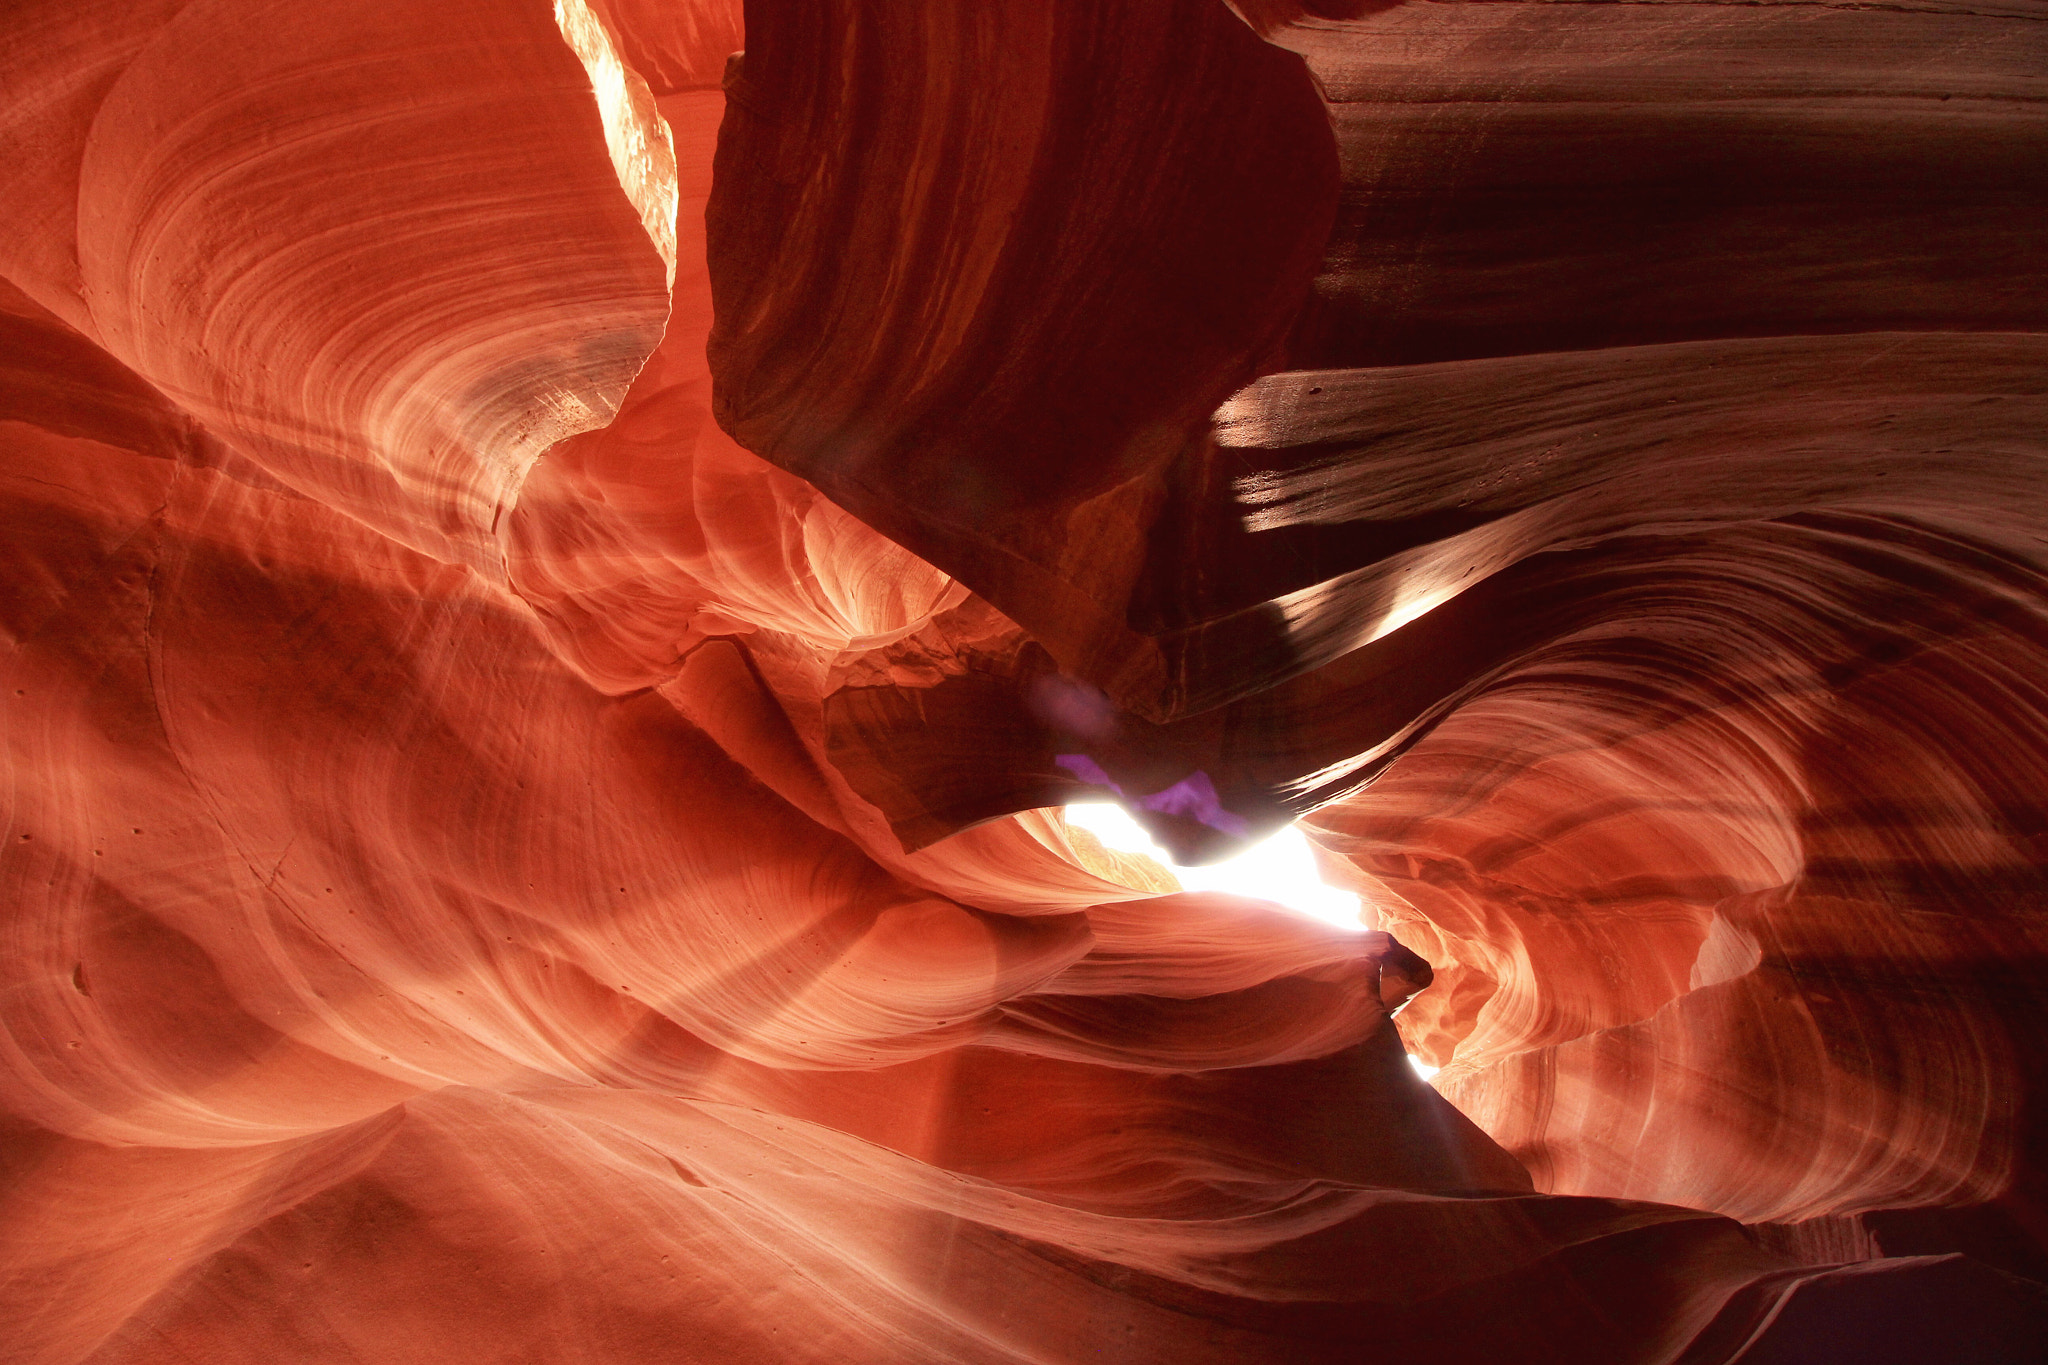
point(578, 572)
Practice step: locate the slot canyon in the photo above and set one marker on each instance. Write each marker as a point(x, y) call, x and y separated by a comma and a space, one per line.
point(564, 558)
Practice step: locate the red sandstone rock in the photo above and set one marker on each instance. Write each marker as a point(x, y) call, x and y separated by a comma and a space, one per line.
point(497, 869)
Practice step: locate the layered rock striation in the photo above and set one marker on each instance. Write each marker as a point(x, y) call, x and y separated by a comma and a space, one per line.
point(557, 573)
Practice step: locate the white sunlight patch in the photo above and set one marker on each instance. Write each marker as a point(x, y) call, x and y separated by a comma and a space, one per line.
point(1279, 869)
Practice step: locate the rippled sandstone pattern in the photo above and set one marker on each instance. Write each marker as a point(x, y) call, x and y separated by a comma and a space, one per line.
point(534, 671)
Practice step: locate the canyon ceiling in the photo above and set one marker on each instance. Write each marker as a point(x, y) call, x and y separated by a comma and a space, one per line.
point(562, 556)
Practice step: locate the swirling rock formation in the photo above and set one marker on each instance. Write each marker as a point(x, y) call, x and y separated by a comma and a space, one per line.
point(556, 572)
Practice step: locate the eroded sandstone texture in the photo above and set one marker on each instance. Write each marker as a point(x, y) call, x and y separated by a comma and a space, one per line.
point(552, 572)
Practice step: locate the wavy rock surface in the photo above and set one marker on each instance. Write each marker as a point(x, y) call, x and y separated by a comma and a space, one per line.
point(554, 573)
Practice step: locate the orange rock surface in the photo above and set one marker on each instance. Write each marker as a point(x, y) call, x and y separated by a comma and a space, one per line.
point(562, 558)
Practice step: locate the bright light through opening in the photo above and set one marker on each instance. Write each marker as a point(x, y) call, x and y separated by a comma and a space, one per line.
point(1279, 869)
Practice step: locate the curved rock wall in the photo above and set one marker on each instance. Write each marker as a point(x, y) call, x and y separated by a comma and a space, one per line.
point(555, 572)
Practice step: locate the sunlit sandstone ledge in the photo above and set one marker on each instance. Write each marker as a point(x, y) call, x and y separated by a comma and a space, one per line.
point(560, 576)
